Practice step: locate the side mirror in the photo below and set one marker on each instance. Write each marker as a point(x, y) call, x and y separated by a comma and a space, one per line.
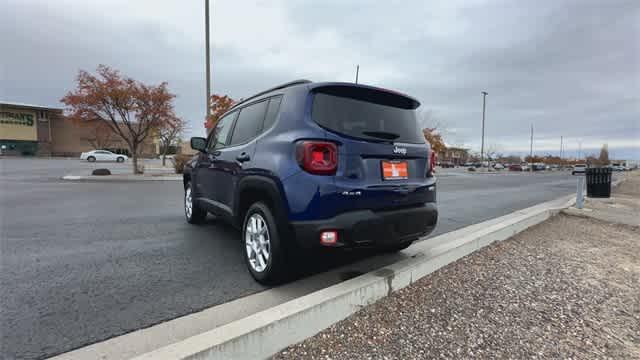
point(199, 143)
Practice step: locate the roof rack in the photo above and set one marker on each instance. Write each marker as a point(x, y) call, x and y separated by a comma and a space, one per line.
point(285, 85)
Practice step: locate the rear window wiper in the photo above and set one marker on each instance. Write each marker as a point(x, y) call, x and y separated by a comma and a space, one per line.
point(381, 135)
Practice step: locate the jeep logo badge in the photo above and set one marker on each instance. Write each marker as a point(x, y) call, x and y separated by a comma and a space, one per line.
point(399, 150)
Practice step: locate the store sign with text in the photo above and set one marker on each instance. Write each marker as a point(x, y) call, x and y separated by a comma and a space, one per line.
point(15, 118)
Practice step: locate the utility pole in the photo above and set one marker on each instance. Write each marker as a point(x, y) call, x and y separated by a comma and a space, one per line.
point(207, 60)
point(531, 151)
point(561, 148)
point(484, 105)
point(357, 71)
point(579, 150)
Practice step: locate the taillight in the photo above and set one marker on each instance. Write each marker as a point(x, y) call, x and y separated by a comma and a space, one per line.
point(317, 157)
point(432, 164)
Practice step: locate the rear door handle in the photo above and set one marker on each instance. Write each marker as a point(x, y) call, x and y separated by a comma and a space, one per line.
point(243, 157)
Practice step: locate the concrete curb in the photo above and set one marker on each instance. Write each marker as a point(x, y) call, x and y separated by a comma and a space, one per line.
point(265, 333)
point(121, 178)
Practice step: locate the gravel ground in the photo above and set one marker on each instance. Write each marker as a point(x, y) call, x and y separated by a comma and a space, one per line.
point(566, 288)
point(631, 186)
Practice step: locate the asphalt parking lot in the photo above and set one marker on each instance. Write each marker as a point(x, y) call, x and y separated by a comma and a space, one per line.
point(81, 262)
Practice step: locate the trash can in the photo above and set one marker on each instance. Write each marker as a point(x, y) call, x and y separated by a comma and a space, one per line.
point(598, 182)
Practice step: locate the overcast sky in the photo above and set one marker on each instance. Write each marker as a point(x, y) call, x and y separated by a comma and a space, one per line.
point(570, 68)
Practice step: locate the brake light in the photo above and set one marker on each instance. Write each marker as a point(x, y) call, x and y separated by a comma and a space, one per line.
point(317, 157)
point(432, 164)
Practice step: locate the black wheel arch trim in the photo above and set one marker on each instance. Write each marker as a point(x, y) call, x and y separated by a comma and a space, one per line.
point(271, 187)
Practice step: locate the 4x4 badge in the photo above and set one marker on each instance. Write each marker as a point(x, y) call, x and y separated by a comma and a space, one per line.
point(399, 150)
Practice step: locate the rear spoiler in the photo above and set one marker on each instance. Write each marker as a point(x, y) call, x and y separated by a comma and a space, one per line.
point(368, 93)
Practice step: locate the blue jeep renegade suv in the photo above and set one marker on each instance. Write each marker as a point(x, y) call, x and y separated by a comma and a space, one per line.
point(307, 165)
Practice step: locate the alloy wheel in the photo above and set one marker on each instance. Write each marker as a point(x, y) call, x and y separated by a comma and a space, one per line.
point(257, 242)
point(188, 203)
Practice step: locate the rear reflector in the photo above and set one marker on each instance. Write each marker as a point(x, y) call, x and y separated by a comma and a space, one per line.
point(329, 237)
point(432, 163)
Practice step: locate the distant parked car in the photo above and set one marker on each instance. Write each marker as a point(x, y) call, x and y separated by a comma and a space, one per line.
point(618, 167)
point(579, 169)
point(468, 164)
point(515, 167)
point(447, 164)
point(102, 155)
point(498, 166)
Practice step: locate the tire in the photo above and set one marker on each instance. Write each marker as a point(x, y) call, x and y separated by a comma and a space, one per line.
point(120, 159)
point(91, 159)
point(262, 245)
point(397, 247)
point(192, 212)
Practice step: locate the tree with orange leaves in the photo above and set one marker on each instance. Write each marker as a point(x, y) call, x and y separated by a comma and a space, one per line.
point(130, 109)
point(219, 105)
point(435, 139)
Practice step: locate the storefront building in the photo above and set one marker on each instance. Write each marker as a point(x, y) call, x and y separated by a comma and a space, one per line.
point(455, 155)
point(45, 131)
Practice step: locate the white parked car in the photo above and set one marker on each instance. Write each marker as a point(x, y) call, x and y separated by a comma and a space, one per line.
point(579, 169)
point(618, 167)
point(102, 155)
point(498, 166)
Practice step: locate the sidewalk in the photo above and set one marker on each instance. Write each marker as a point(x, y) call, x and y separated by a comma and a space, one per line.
point(623, 206)
point(124, 177)
point(154, 172)
point(566, 288)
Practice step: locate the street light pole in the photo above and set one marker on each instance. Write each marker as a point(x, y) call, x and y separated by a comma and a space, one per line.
point(207, 60)
point(484, 104)
point(531, 152)
point(357, 71)
point(579, 150)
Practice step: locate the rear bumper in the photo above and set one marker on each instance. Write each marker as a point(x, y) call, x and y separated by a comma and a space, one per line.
point(367, 228)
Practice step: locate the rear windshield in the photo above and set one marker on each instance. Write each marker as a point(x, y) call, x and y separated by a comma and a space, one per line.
point(392, 118)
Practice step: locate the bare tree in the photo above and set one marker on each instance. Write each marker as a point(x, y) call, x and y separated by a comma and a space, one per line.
point(170, 132)
point(493, 151)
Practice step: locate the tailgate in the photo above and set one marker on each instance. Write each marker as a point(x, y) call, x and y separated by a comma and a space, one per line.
point(383, 156)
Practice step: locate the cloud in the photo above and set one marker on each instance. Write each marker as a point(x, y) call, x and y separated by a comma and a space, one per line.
point(570, 68)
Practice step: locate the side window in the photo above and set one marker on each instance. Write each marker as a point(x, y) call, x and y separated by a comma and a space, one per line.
point(220, 136)
point(249, 122)
point(272, 112)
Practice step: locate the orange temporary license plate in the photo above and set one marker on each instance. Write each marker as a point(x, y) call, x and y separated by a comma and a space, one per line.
point(395, 170)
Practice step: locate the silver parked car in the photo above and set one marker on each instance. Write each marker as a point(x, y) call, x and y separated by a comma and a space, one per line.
point(102, 155)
